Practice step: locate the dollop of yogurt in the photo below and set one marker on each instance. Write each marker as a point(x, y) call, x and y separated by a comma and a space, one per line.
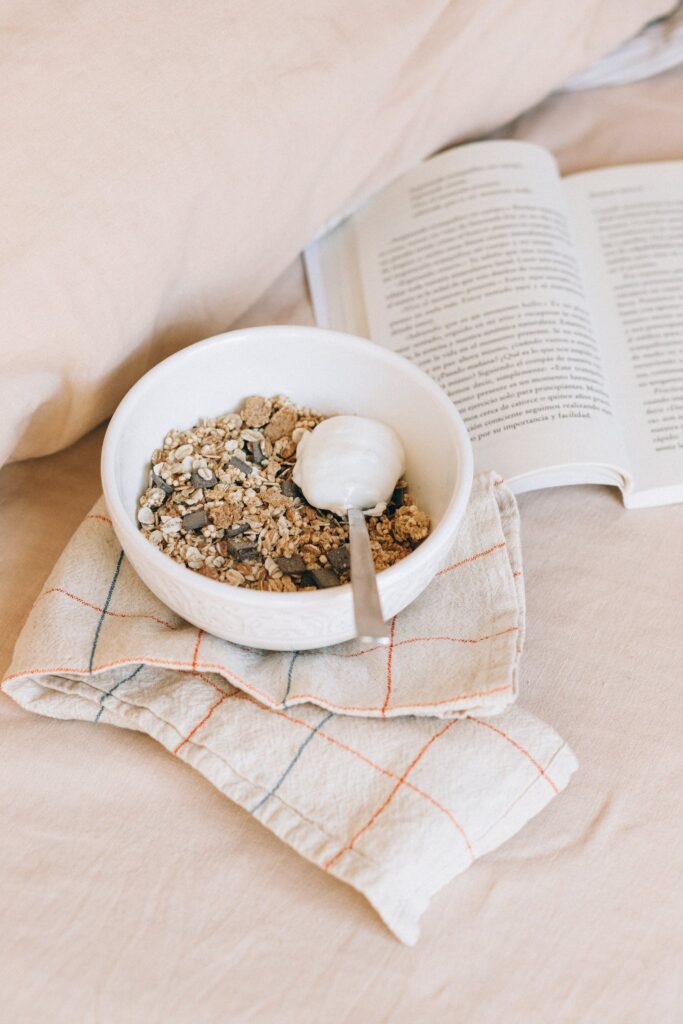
point(349, 462)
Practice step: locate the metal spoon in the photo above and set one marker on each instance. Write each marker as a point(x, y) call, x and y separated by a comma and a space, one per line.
point(370, 624)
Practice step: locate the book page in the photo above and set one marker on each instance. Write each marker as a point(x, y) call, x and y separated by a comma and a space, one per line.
point(629, 227)
point(334, 281)
point(469, 269)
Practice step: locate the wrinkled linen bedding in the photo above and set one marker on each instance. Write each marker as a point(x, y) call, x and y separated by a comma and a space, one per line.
point(161, 165)
point(130, 890)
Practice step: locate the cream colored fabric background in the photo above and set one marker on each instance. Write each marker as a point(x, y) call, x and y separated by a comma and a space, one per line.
point(162, 162)
point(131, 891)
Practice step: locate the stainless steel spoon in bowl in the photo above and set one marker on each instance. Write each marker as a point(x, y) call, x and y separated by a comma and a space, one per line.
point(367, 609)
point(347, 464)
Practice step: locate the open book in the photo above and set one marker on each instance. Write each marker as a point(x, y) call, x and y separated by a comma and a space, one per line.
point(549, 309)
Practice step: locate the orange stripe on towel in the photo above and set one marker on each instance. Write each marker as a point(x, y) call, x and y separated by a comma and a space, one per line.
point(472, 558)
point(195, 653)
point(206, 717)
point(98, 608)
point(390, 657)
point(383, 806)
point(424, 639)
point(517, 746)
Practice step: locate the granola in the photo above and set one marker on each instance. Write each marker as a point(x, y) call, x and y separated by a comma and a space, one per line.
point(220, 500)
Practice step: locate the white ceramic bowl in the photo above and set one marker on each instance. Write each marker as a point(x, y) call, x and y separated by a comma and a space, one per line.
point(333, 373)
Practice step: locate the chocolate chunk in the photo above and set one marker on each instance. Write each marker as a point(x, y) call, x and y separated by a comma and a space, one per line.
point(243, 550)
point(235, 531)
point(159, 482)
point(323, 578)
point(195, 520)
point(293, 566)
point(397, 499)
point(243, 467)
point(256, 452)
point(289, 488)
point(199, 481)
point(339, 558)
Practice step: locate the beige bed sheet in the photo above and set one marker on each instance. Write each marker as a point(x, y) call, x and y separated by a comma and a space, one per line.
point(131, 891)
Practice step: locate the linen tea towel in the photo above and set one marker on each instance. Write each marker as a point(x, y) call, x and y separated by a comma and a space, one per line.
point(393, 803)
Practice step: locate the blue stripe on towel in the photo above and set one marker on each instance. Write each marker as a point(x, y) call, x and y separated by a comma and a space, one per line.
point(104, 612)
point(115, 687)
point(291, 763)
point(289, 677)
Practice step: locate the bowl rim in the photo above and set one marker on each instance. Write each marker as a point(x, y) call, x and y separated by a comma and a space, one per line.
point(130, 536)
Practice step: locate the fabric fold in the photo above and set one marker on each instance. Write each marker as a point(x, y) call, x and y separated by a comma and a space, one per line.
point(468, 627)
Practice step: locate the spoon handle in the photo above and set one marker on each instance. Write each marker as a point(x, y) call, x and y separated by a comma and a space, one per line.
point(370, 624)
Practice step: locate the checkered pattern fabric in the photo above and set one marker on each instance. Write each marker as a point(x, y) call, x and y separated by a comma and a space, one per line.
point(455, 650)
point(359, 759)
